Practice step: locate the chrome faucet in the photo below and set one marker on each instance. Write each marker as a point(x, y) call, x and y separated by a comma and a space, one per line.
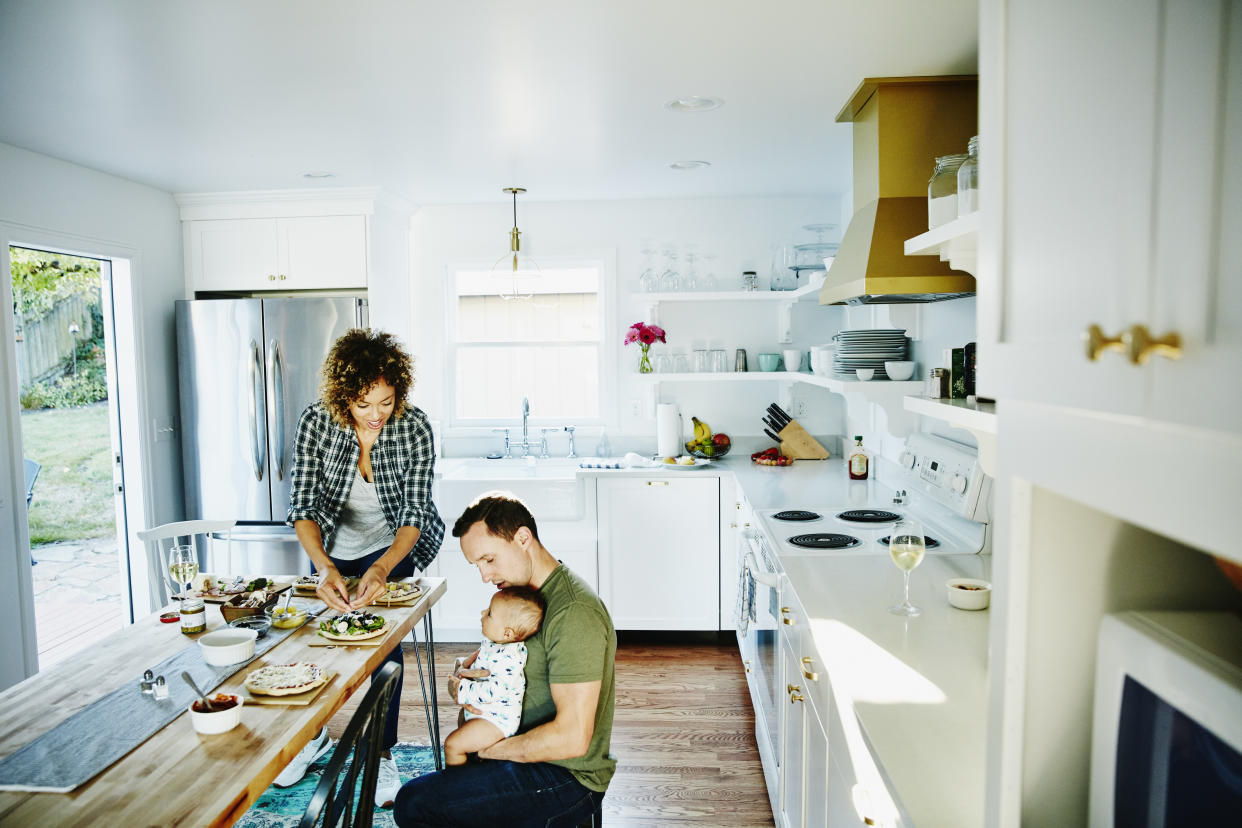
point(525, 444)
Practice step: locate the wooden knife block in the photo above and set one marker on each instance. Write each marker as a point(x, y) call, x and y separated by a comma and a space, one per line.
point(799, 445)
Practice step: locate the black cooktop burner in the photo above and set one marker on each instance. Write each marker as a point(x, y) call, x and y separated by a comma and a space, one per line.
point(797, 514)
point(821, 540)
point(928, 541)
point(868, 516)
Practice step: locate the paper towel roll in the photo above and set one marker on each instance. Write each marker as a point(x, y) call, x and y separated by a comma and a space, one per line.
point(668, 430)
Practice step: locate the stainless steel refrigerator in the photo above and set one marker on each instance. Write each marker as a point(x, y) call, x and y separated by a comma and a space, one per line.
point(247, 369)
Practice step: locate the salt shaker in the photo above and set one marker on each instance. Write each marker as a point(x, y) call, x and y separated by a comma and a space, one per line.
point(160, 689)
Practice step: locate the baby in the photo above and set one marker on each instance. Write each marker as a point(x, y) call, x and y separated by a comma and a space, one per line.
point(513, 616)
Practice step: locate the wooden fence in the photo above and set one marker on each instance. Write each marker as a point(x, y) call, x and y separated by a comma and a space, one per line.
point(43, 344)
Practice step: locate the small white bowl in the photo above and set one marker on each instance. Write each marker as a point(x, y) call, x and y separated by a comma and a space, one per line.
point(969, 593)
point(899, 370)
point(228, 645)
point(217, 721)
point(864, 374)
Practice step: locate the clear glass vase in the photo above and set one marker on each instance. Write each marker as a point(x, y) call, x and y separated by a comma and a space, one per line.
point(644, 363)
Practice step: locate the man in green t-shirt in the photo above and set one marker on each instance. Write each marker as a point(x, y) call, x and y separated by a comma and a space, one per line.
point(557, 766)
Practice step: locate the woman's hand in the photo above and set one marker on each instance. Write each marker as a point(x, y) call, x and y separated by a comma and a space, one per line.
point(332, 590)
point(374, 584)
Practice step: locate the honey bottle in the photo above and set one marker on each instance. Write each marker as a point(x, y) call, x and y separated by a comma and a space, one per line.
point(860, 461)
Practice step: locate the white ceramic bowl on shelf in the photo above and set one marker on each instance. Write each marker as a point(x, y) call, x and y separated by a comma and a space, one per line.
point(899, 370)
point(864, 374)
point(217, 721)
point(969, 593)
point(228, 645)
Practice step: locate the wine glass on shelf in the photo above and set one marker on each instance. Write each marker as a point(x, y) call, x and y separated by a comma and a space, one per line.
point(649, 281)
point(182, 567)
point(670, 279)
point(906, 546)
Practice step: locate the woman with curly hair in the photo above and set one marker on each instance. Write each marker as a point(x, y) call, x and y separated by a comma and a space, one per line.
point(361, 496)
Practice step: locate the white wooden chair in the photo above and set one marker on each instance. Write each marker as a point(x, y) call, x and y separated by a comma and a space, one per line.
point(157, 564)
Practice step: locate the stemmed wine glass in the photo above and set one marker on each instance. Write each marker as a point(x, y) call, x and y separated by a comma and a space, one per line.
point(182, 566)
point(906, 546)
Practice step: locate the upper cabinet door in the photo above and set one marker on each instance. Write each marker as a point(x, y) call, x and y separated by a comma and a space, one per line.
point(234, 254)
point(324, 252)
point(1198, 252)
point(1074, 179)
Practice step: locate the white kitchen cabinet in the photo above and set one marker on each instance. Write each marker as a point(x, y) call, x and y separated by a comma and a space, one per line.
point(659, 551)
point(1112, 159)
point(793, 736)
point(296, 253)
point(804, 737)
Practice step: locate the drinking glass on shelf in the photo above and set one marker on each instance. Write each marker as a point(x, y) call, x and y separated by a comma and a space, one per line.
point(182, 566)
point(719, 360)
point(681, 365)
point(906, 546)
point(663, 364)
point(649, 281)
point(670, 279)
point(699, 364)
point(691, 280)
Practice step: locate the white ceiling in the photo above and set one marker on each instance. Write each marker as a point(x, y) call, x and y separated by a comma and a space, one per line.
point(449, 101)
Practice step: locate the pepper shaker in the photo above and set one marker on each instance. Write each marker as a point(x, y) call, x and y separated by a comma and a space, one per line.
point(147, 684)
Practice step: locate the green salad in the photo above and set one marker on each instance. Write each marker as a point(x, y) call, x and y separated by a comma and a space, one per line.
point(352, 623)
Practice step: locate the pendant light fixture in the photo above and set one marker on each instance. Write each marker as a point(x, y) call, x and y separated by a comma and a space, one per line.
point(516, 266)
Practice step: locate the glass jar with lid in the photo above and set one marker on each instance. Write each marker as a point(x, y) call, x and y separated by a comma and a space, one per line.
point(942, 190)
point(968, 180)
point(193, 616)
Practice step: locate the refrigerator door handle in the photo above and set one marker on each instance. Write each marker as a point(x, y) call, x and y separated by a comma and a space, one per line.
point(257, 451)
point(276, 370)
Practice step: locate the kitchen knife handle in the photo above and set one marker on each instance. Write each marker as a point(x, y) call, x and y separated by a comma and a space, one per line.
point(768, 432)
point(256, 451)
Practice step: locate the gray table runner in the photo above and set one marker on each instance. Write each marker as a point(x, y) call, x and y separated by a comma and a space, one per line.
point(86, 743)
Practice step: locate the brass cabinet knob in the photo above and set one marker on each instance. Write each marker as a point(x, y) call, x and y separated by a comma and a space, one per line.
point(1140, 345)
point(806, 671)
point(283, 277)
point(1098, 342)
point(795, 693)
point(271, 277)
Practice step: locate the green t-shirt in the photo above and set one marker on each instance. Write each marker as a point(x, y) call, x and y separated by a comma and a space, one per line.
point(575, 643)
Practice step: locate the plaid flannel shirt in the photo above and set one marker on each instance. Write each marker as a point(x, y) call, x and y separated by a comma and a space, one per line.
point(402, 459)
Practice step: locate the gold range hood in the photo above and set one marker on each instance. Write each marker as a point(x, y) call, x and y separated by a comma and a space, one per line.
point(900, 126)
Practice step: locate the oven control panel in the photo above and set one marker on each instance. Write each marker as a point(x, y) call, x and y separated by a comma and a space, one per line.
point(948, 473)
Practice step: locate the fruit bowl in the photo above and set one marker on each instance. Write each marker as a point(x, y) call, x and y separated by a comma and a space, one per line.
point(695, 450)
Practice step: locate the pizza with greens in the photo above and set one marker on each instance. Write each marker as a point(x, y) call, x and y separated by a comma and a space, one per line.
point(353, 626)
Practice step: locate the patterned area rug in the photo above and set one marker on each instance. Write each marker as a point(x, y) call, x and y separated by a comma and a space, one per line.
point(283, 807)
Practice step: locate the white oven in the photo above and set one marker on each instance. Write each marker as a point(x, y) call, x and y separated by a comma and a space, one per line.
point(758, 618)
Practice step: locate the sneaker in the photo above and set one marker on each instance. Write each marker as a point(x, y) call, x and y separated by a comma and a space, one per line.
point(388, 784)
point(296, 769)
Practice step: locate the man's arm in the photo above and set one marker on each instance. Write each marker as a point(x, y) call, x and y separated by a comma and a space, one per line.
point(567, 736)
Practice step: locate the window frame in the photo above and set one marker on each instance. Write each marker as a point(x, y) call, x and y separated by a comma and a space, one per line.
point(606, 358)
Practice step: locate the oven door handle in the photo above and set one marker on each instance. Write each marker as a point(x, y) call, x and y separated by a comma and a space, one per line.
point(768, 579)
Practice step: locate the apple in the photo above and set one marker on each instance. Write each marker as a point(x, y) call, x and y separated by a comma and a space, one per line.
point(720, 439)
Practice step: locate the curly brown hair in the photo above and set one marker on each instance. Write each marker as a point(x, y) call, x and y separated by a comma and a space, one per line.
point(357, 361)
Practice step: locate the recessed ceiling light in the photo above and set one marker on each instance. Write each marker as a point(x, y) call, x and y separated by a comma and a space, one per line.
point(689, 165)
point(319, 174)
point(694, 103)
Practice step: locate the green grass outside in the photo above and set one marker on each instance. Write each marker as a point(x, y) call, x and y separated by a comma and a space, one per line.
point(73, 495)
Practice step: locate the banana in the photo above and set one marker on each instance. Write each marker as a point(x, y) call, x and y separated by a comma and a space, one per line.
point(702, 431)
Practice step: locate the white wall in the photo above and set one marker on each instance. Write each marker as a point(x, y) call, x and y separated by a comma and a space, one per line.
point(738, 231)
point(92, 212)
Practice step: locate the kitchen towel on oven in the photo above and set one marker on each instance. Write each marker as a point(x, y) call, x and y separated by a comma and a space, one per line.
point(745, 609)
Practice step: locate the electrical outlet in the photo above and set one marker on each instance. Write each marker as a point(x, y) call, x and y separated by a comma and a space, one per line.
point(636, 409)
point(800, 408)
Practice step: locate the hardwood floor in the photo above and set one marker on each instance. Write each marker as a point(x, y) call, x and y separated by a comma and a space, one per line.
point(683, 734)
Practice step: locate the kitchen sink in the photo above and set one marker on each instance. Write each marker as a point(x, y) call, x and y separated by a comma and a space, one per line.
point(549, 487)
point(513, 468)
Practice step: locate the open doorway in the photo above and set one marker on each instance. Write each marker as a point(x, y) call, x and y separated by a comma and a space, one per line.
point(66, 365)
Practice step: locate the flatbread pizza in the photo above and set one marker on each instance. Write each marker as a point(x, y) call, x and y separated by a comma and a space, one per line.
point(358, 625)
point(285, 679)
point(398, 592)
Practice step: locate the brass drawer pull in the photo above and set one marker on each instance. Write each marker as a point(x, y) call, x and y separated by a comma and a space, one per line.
point(1098, 342)
point(657, 482)
point(806, 672)
point(1141, 346)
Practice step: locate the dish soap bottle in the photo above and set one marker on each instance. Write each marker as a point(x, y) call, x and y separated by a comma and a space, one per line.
point(603, 448)
point(860, 461)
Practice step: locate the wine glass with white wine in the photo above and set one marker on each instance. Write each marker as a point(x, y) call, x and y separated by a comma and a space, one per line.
point(182, 566)
point(906, 546)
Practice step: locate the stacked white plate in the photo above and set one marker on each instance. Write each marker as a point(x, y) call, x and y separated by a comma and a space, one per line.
point(868, 349)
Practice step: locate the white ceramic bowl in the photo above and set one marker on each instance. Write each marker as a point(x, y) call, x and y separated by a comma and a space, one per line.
point(228, 645)
point(217, 721)
point(969, 593)
point(899, 370)
point(864, 374)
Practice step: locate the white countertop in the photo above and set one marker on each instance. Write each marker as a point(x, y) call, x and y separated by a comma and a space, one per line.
point(918, 686)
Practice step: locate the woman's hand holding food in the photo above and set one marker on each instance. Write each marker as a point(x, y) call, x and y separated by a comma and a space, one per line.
point(373, 585)
point(333, 591)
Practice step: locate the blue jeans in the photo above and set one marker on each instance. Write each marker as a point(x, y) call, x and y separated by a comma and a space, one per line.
point(404, 569)
point(493, 792)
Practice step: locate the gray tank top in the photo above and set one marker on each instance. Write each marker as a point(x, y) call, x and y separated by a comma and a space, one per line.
point(362, 528)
